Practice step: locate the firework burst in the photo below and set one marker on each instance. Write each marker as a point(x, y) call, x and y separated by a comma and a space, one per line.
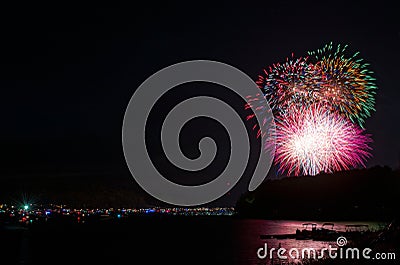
point(288, 84)
point(320, 105)
point(344, 84)
point(318, 141)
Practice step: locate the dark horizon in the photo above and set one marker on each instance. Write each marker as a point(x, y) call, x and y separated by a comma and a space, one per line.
point(105, 190)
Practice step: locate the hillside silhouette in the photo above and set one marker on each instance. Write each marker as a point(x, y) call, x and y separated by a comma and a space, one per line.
point(359, 194)
point(90, 190)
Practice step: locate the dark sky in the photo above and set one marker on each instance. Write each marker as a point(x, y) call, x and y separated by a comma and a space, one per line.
point(69, 70)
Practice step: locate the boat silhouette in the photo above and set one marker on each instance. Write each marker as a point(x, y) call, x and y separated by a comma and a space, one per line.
point(311, 231)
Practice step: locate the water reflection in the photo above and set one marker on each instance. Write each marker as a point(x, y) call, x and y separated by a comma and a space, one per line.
point(247, 238)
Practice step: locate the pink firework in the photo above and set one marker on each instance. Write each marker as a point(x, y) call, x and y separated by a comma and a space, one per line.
point(312, 139)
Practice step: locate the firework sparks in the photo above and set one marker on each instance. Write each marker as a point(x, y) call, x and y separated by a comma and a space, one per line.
point(319, 141)
point(288, 84)
point(344, 84)
point(319, 105)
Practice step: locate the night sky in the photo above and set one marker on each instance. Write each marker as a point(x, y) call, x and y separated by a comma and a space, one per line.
point(68, 71)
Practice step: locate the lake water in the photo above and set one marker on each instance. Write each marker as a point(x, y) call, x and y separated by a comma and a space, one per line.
point(247, 237)
point(197, 240)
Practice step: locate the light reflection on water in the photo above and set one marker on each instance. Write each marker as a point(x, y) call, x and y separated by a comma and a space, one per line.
point(247, 237)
